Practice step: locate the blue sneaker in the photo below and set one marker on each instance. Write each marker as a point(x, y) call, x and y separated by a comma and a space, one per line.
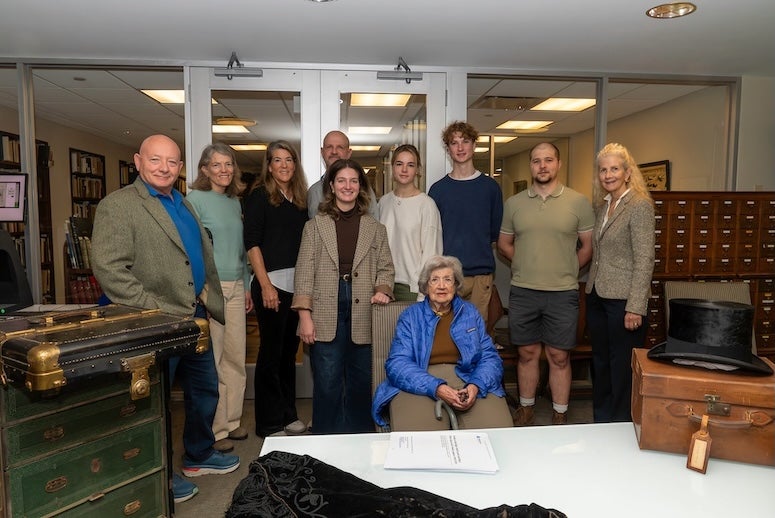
point(216, 464)
point(182, 489)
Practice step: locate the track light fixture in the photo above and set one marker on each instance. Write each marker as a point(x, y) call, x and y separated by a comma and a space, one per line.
point(402, 71)
point(236, 68)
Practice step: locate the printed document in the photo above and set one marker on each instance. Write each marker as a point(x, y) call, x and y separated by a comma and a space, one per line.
point(441, 451)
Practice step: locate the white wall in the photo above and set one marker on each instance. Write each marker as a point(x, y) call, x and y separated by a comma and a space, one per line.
point(756, 143)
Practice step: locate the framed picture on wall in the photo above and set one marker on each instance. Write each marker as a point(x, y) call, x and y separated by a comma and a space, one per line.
point(657, 175)
point(519, 186)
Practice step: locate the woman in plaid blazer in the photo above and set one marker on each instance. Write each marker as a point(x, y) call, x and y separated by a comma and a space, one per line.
point(344, 266)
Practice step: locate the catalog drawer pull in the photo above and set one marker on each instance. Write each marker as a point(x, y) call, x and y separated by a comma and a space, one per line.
point(128, 410)
point(131, 454)
point(53, 434)
point(55, 484)
point(132, 507)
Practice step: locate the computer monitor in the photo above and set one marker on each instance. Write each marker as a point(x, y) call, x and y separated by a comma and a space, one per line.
point(13, 191)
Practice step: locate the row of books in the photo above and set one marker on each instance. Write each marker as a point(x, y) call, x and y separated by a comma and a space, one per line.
point(13, 227)
point(45, 250)
point(84, 209)
point(87, 164)
point(46, 285)
point(10, 150)
point(86, 187)
point(127, 173)
point(84, 289)
point(78, 239)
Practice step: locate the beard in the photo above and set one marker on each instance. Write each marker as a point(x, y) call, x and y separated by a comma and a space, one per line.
point(543, 179)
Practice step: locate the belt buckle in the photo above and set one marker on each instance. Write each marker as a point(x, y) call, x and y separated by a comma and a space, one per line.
point(346, 277)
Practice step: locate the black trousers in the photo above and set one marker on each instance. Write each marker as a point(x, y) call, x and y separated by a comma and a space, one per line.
point(612, 346)
point(275, 380)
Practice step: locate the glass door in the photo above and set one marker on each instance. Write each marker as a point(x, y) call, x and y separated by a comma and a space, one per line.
point(379, 115)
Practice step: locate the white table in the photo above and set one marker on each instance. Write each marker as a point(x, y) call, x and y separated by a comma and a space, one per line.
point(589, 470)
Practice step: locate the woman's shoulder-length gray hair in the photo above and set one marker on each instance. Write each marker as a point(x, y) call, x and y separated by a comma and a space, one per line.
point(435, 263)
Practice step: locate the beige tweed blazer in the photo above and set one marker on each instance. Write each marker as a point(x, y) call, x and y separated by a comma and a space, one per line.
point(623, 253)
point(316, 284)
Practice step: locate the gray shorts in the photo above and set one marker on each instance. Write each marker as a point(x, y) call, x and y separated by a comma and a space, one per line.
point(537, 316)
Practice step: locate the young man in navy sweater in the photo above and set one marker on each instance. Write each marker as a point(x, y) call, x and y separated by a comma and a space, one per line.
point(471, 208)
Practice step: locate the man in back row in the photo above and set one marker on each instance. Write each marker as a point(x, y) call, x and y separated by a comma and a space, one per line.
point(471, 208)
point(541, 229)
point(150, 251)
point(336, 146)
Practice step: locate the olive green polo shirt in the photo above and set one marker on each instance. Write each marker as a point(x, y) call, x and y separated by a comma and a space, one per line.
point(545, 235)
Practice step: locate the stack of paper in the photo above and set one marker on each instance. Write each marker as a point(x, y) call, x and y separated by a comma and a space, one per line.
point(441, 451)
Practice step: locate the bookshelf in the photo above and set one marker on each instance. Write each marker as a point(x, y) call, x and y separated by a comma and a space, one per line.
point(180, 184)
point(81, 287)
point(127, 173)
point(10, 160)
point(87, 181)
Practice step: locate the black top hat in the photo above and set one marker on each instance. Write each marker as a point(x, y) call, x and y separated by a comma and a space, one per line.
point(713, 332)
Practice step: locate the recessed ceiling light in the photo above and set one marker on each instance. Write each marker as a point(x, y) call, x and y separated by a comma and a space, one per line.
point(365, 148)
point(481, 149)
point(564, 104)
point(674, 10)
point(524, 125)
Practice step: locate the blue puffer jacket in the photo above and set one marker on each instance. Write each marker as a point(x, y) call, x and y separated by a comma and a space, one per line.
point(407, 364)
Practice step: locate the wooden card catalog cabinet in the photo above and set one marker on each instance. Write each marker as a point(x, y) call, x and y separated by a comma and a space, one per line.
point(716, 236)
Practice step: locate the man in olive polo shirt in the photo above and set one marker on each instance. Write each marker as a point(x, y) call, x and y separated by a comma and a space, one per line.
point(546, 233)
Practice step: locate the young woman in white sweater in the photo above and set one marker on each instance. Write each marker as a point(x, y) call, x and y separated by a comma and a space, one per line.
point(412, 221)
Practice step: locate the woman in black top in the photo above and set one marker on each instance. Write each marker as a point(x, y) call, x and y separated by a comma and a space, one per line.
point(275, 214)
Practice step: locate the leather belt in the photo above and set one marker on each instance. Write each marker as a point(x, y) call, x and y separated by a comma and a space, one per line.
point(347, 277)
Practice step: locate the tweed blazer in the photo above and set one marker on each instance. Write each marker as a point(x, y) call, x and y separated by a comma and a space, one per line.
point(139, 259)
point(316, 285)
point(623, 253)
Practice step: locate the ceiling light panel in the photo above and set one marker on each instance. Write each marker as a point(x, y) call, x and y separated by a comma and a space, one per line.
point(248, 147)
point(365, 148)
point(498, 139)
point(168, 96)
point(564, 104)
point(379, 100)
point(524, 125)
point(229, 129)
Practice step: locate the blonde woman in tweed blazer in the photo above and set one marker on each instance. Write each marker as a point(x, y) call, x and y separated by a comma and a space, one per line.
point(344, 266)
point(619, 279)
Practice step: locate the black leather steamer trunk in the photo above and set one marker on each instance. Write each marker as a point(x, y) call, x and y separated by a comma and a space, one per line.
point(83, 418)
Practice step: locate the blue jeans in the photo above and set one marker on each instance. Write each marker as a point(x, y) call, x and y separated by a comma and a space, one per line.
point(341, 370)
point(199, 381)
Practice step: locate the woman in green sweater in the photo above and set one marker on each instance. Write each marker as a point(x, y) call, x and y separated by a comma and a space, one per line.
point(214, 197)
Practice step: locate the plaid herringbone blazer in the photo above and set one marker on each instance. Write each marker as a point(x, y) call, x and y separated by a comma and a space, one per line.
point(316, 284)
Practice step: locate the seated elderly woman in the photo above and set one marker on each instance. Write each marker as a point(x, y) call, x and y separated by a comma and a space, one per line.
point(441, 351)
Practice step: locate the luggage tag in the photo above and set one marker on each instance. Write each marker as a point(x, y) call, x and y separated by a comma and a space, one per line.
point(699, 448)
